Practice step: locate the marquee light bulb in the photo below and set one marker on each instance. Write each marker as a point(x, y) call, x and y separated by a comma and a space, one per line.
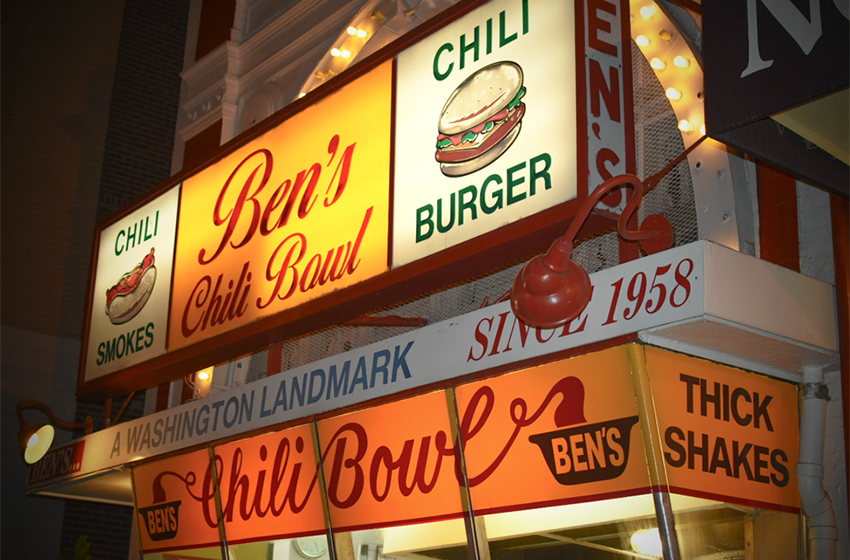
point(352, 30)
point(362, 33)
point(658, 64)
point(202, 375)
point(642, 41)
point(681, 62)
point(686, 126)
point(647, 11)
point(647, 541)
point(673, 94)
point(666, 35)
point(346, 53)
point(336, 52)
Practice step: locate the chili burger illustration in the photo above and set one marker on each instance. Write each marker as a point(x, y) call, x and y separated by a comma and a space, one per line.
point(125, 299)
point(481, 119)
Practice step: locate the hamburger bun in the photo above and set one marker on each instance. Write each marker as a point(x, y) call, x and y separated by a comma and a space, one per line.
point(480, 96)
point(481, 119)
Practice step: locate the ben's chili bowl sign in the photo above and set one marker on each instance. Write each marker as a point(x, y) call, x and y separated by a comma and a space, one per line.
point(561, 433)
point(486, 125)
point(293, 215)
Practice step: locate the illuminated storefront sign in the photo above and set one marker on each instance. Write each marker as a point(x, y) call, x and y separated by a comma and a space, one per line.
point(495, 120)
point(175, 503)
point(569, 430)
point(299, 212)
point(269, 486)
point(303, 209)
point(129, 313)
point(486, 125)
point(391, 464)
point(726, 434)
point(566, 432)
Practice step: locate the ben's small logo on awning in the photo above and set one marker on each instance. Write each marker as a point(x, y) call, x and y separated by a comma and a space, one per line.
point(583, 453)
point(161, 520)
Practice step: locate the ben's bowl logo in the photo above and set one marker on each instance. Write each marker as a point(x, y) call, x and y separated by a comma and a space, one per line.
point(481, 119)
point(161, 520)
point(586, 452)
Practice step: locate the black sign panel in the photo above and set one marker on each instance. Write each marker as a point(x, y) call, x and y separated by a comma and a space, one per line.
point(765, 56)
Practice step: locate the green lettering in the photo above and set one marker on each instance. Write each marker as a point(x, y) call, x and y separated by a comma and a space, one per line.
point(464, 48)
point(502, 39)
point(534, 174)
point(440, 76)
point(426, 221)
point(497, 195)
point(444, 228)
point(467, 204)
point(515, 182)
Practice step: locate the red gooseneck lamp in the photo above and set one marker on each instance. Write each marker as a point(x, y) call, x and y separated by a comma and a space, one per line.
point(552, 289)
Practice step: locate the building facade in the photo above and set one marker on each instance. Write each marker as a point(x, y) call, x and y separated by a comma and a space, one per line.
point(383, 399)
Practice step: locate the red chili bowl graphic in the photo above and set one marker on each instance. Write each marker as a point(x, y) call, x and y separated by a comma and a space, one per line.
point(588, 453)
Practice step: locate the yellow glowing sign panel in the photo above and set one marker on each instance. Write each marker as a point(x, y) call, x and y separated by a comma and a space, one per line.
point(391, 465)
point(726, 434)
point(564, 432)
point(297, 213)
point(269, 487)
point(175, 503)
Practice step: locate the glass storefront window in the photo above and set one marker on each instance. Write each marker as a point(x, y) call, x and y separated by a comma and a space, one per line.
point(595, 530)
point(707, 528)
point(212, 553)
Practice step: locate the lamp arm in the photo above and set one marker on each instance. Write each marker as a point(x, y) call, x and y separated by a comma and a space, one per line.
point(561, 250)
point(88, 424)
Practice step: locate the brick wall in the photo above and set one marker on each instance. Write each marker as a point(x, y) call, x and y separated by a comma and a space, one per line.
point(137, 157)
point(145, 100)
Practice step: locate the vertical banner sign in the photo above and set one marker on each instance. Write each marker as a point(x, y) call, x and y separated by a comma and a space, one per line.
point(299, 212)
point(129, 313)
point(269, 487)
point(486, 125)
point(175, 503)
point(726, 434)
point(608, 83)
point(568, 430)
point(391, 465)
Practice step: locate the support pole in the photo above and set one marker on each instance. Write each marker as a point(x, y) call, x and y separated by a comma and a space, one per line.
point(840, 208)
